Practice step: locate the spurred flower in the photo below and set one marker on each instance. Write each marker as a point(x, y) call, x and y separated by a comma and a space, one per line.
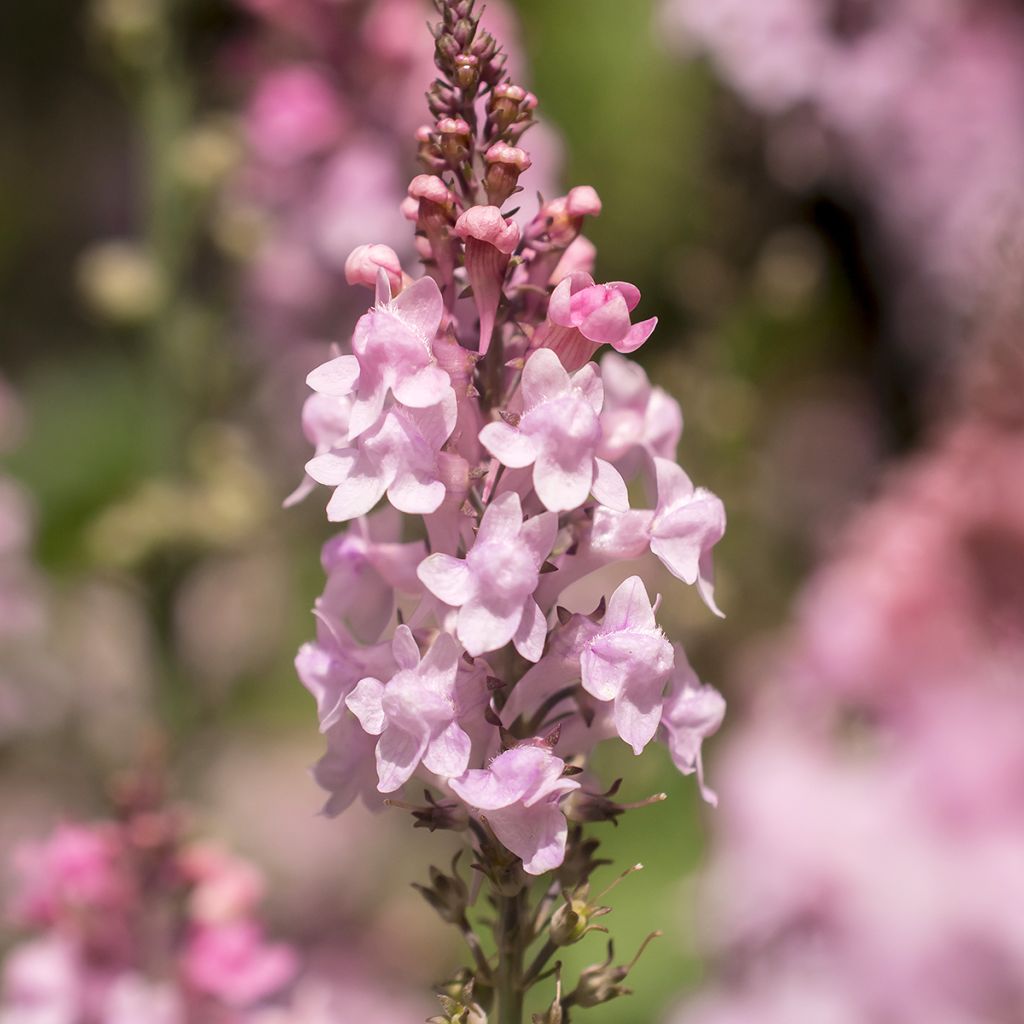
point(637, 418)
point(493, 585)
point(692, 712)
point(519, 794)
point(393, 352)
point(681, 531)
point(558, 432)
point(366, 567)
point(628, 662)
point(399, 456)
point(583, 316)
point(415, 713)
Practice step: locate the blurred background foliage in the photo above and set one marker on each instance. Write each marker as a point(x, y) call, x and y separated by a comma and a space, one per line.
point(146, 451)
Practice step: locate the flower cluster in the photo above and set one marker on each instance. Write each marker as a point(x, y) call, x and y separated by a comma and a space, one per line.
point(893, 725)
point(470, 400)
point(130, 922)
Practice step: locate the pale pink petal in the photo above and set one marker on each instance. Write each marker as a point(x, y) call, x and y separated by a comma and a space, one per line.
point(337, 377)
point(533, 629)
point(421, 307)
point(502, 519)
point(332, 468)
point(608, 487)
point(448, 753)
point(544, 378)
point(637, 713)
point(601, 678)
point(423, 389)
point(536, 834)
point(442, 660)
point(621, 535)
point(674, 486)
point(355, 497)
point(405, 649)
point(630, 607)
point(538, 535)
point(562, 488)
point(508, 445)
point(629, 292)
point(398, 753)
point(481, 629)
point(636, 335)
point(447, 578)
point(300, 493)
point(365, 703)
point(587, 379)
point(416, 497)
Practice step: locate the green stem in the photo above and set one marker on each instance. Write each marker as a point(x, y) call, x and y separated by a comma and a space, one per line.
point(512, 940)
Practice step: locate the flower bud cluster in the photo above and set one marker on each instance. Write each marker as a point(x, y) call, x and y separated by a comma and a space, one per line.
point(476, 401)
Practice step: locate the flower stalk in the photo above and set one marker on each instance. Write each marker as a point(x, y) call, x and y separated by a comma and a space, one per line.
point(470, 403)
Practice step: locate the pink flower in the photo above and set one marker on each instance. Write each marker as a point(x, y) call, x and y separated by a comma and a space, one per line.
point(325, 425)
point(393, 352)
point(636, 417)
point(225, 886)
point(692, 712)
point(295, 114)
point(399, 457)
point(415, 714)
point(493, 585)
point(233, 963)
point(681, 531)
point(583, 316)
point(42, 983)
point(520, 793)
point(76, 869)
point(558, 433)
point(629, 661)
point(365, 570)
point(345, 771)
point(490, 240)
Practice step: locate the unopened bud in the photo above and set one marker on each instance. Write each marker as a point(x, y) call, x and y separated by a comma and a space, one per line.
point(456, 139)
point(504, 165)
point(447, 894)
point(365, 261)
point(467, 71)
point(504, 105)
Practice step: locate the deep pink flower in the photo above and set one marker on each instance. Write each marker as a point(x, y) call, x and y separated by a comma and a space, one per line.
point(628, 661)
point(493, 585)
point(583, 316)
point(415, 713)
point(519, 794)
point(558, 432)
point(233, 963)
point(295, 114)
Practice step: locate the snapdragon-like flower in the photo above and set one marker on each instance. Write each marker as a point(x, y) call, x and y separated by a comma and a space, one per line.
point(681, 531)
point(520, 794)
point(558, 432)
point(393, 352)
point(493, 585)
point(415, 713)
point(629, 662)
point(583, 316)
